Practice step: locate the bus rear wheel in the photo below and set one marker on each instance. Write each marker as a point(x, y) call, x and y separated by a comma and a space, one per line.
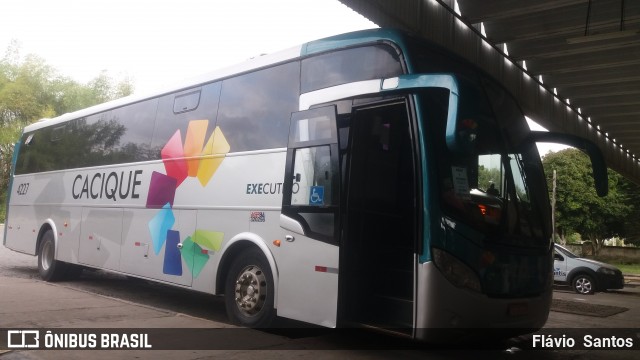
point(49, 268)
point(249, 290)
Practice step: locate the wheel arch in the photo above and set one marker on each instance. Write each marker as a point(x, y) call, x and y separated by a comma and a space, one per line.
point(582, 270)
point(236, 246)
point(47, 225)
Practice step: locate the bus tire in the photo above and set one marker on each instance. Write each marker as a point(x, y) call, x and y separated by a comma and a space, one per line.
point(249, 290)
point(584, 284)
point(49, 268)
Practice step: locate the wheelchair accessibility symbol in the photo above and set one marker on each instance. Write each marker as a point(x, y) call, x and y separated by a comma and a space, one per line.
point(316, 196)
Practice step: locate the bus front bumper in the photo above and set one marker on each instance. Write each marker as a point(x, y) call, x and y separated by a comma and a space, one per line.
point(448, 313)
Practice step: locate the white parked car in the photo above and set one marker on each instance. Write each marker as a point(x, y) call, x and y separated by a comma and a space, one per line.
point(585, 276)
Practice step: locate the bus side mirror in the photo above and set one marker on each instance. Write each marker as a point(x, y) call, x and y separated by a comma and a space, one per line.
point(597, 159)
point(460, 133)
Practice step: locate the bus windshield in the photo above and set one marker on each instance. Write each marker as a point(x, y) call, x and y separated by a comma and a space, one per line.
point(490, 188)
point(496, 188)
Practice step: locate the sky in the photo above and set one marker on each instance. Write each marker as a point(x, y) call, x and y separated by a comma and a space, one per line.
point(159, 42)
point(544, 148)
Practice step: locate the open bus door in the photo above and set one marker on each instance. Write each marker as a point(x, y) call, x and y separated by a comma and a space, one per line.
point(380, 217)
point(308, 269)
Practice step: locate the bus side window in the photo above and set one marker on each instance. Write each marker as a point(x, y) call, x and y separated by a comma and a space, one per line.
point(58, 132)
point(349, 65)
point(311, 190)
point(135, 121)
point(186, 102)
point(24, 156)
point(255, 107)
point(177, 110)
point(312, 177)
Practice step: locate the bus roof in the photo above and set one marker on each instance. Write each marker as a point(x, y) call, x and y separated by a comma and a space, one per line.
point(313, 47)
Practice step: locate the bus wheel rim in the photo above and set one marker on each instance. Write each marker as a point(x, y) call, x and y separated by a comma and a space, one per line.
point(251, 290)
point(47, 256)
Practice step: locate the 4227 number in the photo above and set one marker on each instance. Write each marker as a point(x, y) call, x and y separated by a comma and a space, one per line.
point(23, 189)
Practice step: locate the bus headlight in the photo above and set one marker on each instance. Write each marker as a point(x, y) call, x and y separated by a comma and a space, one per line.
point(455, 271)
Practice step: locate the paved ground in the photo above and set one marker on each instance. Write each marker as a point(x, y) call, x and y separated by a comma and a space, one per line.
point(27, 302)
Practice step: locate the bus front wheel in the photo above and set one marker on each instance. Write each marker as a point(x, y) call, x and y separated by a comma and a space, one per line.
point(249, 290)
point(49, 268)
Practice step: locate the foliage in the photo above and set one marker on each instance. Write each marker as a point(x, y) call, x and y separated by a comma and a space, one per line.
point(632, 220)
point(573, 238)
point(579, 209)
point(486, 177)
point(30, 90)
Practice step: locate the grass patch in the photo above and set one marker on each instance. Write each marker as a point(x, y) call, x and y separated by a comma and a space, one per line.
point(626, 268)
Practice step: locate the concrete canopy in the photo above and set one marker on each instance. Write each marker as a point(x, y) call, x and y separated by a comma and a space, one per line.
point(574, 65)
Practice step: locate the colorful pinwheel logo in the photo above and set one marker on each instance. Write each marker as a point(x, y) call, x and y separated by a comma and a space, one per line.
point(194, 158)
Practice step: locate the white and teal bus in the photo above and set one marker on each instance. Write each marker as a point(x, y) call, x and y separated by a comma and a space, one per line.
point(367, 179)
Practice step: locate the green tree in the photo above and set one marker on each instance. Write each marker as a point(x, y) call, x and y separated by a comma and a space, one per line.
point(578, 207)
point(30, 90)
point(487, 176)
point(631, 224)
